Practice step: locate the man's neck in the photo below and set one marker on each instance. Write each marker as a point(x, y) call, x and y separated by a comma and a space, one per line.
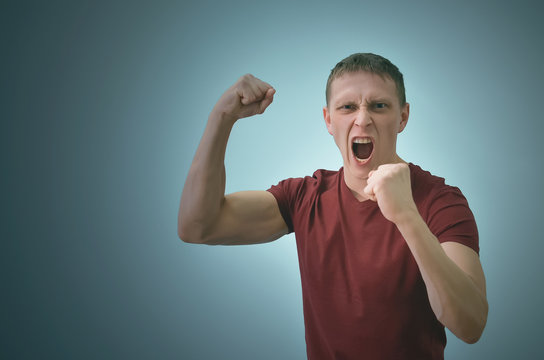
point(356, 185)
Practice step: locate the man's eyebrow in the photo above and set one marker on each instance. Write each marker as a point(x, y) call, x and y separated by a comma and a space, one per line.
point(368, 100)
point(378, 100)
point(345, 99)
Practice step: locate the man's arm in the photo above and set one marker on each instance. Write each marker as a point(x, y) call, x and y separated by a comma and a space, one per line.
point(452, 272)
point(453, 277)
point(206, 215)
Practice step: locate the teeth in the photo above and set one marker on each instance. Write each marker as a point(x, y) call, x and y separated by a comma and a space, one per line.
point(362, 140)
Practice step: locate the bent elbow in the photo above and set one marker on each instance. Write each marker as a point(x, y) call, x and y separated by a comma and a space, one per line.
point(190, 238)
point(469, 335)
point(186, 238)
point(473, 339)
point(474, 336)
point(477, 328)
point(197, 234)
point(189, 234)
point(468, 326)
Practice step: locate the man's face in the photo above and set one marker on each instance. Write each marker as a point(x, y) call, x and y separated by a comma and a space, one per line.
point(364, 116)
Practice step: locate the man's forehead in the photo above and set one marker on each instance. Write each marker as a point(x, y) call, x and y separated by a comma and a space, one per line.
point(363, 83)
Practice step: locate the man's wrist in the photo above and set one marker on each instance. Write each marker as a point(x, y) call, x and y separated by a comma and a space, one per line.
point(220, 118)
point(409, 220)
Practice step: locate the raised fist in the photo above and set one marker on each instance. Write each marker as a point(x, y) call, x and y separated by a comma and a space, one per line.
point(247, 97)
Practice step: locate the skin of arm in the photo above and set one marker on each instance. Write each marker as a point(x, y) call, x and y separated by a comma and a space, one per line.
point(452, 272)
point(206, 215)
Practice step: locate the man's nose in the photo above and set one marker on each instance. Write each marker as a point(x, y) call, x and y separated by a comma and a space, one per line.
point(363, 118)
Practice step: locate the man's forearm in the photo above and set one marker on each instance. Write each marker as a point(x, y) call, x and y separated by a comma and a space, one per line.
point(204, 188)
point(457, 301)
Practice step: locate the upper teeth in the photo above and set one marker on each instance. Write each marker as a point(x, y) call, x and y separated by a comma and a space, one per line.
point(362, 140)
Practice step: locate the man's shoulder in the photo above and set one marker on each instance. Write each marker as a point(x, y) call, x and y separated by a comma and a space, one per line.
point(319, 181)
point(319, 175)
point(325, 175)
point(322, 180)
point(427, 187)
point(424, 178)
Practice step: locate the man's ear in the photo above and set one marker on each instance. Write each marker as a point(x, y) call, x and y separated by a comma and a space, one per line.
point(327, 117)
point(404, 115)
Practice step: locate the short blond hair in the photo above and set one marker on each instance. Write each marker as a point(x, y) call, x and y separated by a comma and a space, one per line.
point(372, 63)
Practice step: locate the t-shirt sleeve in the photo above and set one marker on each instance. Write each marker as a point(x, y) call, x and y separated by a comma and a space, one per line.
point(450, 219)
point(285, 193)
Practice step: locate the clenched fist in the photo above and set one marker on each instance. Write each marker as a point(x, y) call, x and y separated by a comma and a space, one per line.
point(247, 97)
point(389, 185)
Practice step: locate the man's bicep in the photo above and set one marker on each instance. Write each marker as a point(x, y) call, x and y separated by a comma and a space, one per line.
point(468, 261)
point(249, 217)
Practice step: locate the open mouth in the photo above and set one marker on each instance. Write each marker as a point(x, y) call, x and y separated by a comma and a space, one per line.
point(362, 148)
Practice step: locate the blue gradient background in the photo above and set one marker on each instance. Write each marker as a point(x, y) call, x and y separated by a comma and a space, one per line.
point(103, 105)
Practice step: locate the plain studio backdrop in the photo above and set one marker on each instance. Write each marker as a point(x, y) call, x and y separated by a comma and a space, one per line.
point(103, 104)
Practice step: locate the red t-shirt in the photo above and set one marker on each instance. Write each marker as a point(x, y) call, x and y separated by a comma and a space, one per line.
point(363, 294)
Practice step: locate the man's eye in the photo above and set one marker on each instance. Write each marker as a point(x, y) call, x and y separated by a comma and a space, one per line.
point(380, 105)
point(347, 107)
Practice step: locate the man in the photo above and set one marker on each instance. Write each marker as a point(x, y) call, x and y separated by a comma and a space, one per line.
point(388, 253)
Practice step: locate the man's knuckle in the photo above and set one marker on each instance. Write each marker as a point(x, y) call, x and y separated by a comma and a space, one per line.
point(244, 80)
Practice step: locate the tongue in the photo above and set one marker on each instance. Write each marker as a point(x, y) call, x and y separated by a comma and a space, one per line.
point(362, 151)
